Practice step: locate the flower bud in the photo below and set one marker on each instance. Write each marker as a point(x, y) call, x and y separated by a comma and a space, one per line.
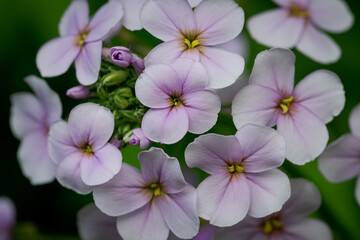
point(121, 102)
point(78, 92)
point(138, 64)
point(138, 138)
point(121, 56)
point(124, 92)
point(117, 143)
point(114, 78)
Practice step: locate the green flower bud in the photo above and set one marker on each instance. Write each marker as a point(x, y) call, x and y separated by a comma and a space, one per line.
point(102, 93)
point(121, 102)
point(114, 78)
point(124, 92)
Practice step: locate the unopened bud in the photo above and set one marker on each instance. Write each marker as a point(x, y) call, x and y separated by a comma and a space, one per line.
point(138, 64)
point(139, 138)
point(78, 92)
point(102, 93)
point(124, 92)
point(114, 78)
point(121, 102)
point(121, 56)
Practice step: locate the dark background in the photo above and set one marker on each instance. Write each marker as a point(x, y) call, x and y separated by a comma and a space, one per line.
point(50, 210)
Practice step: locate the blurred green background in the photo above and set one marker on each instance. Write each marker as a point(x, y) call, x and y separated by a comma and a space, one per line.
point(50, 211)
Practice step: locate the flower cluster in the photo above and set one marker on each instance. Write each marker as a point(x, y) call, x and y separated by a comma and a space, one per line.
point(130, 101)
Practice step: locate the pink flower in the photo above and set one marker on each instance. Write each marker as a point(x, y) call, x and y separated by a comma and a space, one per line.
point(80, 41)
point(151, 202)
point(30, 120)
point(177, 99)
point(7, 218)
point(341, 159)
point(81, 150)
point(78, 92)
point(139, 138)
point(300, 114)
point(298, 23)
point(243, 179)
point(193, 34)
point(290, 223)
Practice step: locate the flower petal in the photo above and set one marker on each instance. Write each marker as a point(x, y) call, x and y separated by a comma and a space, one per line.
point(91, 124)
point(145, 223)
point(287, 3)
point(75, 19)
point(269, 190)
point(357, 190)
point(131, 19)
point(156, 85)
point(275, 69)
point(332, 16)
point(202, 108)
point(122, 194)
point(354, 121)
point(308, 229)
point(340, 160)
point(55, 57)
point(223, 24)
point(194, 3)
point(167, 20)
point(263, 148)
point(68, 173)
point(167, 125)
point(34, 158)
point(212, 153)
point(103, 165)
point(88, 63)
point(105, 19)
point(327, 100)
point(318, 46)
point(256, 104)
point(276, 28)
point(223, 199)
point(305, 134)
point(180, 212)
point(223, 67)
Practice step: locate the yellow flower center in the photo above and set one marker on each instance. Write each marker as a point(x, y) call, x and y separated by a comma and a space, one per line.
point(297, 11)
point(156, 188)
point(176, 101)
point(191, 43)
point(271, 225)
point(88, 149)
point(81, 40)
point(235, 168)
point(285, 104)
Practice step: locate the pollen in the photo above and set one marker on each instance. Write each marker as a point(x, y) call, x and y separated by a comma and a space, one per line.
point(272, 225)
point(176, 101)
point(235, 168)
point(81, 40)
point(156, 188)
point(191, 44)
point(285, 104)
point(297, 11)
point(88, 149)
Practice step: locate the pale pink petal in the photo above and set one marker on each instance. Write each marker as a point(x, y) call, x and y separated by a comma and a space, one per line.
point(305, 134)
point(7, 214)
point(318, 46)
point(354, 121)
point(88, 63)
point(263, 148)
point(239, 45)
point(308, 229)
point(180, 212)
point(223, 67)
point(75, 19)
point(269, 190)
point(68, 173)
point(357, 190)
point(332, 16)
point(326, 100)
point(104, 20)
point(95, 225)
point(167, 20)
point(156, 85)
point(60, 144)
point(276, 28)
point(223, 24)
point(124, 193)
point(228, 94)
point(55, 57)
point(34, 158)
point(131, 19)
point(101, 166)
point(223, 199)
point(167, 125)
point(202, 108)
point(91, 124)
point(275, 69)
point(287, 3)
point(194, 3)
point(145, 223)
point(212, 153)
point(256, 104)
point(340, 160)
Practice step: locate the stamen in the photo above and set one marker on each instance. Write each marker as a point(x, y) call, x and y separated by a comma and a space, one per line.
point(88, 149)
point(235, 168)
point(191, 44)
point(285, 104)
point(272, 225)
point(176, 101)
point(296, 11)
point(156, 189)
point(82, 39)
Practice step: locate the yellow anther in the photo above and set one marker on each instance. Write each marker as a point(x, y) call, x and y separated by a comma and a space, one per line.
point(156, 189)
point(239, 169)
point(284, 108)
point(288, 100)
point(285, 104)
point(176, 101)
point(187, 42)
point(88, 149)
point(267, 227)
point(298, 12)
point(272, 225)
point(231, 168)
point(235, 168)
point(191, 44)
point(82, 39)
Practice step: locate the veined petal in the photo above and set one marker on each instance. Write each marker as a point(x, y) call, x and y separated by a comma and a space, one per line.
point(305, 134)
point(354, 121)
point(122, 194)
point(223, 67)
point(256, 104)
point(308, 229)
point(327, 100)
point(75, 19)
point(223, 199)
point(340, 160)
point(145, 223)
point(275, 69)
point(212, 153)
point(318, 46)
point(55, 57)
point(269, 190)
point(131, 19)
point(166, 125)
point(168, 20)
point(276, 28)
point(88, 63)
point(105, 19)
point(223, 24)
